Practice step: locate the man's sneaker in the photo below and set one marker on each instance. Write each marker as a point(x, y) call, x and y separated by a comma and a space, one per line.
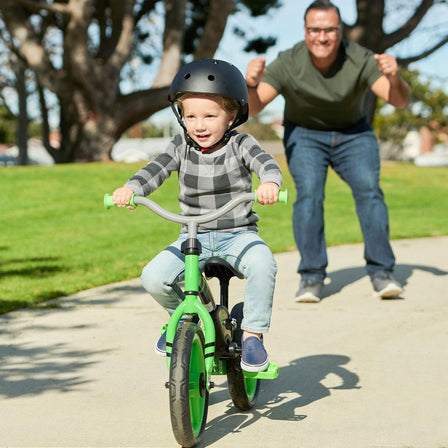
point(386, 286)
point(254, 357)
point(160, 347)
point(310, 291)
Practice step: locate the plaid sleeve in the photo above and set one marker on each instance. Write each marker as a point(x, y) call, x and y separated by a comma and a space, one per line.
point(258, 161)
point(151, 176)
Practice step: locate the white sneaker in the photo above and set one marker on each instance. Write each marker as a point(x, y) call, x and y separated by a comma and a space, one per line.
point(385, 286)
point(309, 292)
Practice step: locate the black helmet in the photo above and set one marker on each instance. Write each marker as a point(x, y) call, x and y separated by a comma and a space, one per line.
point(214, 77)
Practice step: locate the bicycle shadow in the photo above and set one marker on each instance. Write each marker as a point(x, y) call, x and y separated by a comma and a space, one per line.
point(341, 278)
point(300, 383)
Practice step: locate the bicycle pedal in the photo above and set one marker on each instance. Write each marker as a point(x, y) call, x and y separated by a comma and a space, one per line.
point(271, 372)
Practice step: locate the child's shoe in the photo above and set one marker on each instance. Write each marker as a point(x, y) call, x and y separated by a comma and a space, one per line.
point(160, 347)
point(254, 357)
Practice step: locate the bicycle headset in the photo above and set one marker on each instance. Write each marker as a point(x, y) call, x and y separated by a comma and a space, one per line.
point(210, 76)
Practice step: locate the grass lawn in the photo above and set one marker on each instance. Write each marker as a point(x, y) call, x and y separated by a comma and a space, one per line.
point(58, 239)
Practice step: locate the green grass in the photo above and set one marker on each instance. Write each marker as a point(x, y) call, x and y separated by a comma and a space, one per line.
point(58, 239)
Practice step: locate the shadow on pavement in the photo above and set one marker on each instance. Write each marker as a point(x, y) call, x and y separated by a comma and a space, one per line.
point(298, 384)
point(343, 277)
point(28, 370)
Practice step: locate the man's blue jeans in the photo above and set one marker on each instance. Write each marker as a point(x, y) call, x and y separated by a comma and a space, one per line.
point(244, 250)
point(354, 155)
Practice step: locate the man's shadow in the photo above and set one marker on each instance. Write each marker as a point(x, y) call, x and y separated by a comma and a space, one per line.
point(343, 277)
point(298, 384)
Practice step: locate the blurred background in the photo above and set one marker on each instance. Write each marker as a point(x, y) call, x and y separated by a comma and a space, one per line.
point(84, 81)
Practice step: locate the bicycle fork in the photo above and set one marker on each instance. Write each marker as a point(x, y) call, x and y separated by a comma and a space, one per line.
point(191, 305)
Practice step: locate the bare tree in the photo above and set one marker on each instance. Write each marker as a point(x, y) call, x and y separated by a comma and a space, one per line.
point(97, 39)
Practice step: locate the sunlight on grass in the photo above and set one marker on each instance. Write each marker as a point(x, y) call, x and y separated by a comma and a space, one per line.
point(58, 238)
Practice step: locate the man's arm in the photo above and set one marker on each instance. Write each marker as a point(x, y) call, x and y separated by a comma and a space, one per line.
point(260, 93)
point(390, 87)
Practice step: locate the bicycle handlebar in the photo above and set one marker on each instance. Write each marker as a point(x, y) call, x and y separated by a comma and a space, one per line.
point(199, 219)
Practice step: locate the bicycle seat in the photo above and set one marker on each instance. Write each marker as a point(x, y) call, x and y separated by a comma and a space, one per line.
point(220, 268)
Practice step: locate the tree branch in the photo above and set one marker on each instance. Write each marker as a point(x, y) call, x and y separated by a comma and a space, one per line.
point(137, 106)
point(406, 61)
point(406, 29)
point(77, 59)
point(172, 42)
point(122, 33)
point(39, 6)
point(30, 49)
point(146, 7)
point(214, 28)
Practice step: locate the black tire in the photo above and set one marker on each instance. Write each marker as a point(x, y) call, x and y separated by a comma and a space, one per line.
point(243, 391)
point(187, 387)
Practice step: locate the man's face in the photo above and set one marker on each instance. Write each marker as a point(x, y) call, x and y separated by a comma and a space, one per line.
point(323, 34)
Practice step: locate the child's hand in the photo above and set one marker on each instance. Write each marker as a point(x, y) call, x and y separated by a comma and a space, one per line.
point(267, 193)
point(122, 196)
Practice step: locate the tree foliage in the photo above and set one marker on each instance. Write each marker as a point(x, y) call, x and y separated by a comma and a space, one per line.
point(7, 125)
point(427, 107)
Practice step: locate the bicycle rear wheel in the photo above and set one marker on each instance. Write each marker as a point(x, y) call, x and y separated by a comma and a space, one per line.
point(187, 387)
point(243, 391)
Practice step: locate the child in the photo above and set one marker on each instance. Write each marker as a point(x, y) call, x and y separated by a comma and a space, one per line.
point(214, 165)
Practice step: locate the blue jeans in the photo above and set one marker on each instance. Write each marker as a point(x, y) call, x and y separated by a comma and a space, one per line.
point(354, 155)
point(244, 250)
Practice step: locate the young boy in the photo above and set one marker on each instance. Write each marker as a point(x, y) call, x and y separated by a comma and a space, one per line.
point(214, 165)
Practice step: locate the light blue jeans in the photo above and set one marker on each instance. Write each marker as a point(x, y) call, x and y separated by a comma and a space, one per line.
point(354, 155)
point(244, 250)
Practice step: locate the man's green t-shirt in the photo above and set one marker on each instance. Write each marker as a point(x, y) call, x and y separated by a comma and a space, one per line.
point(330, 102)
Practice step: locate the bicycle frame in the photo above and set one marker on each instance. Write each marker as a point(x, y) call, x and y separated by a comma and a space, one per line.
point(191, 304)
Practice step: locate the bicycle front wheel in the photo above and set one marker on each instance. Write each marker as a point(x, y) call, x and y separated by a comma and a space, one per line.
point(187, 386)
point(243, 391)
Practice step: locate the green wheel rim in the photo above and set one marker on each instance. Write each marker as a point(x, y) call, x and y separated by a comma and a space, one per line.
point(197, 385)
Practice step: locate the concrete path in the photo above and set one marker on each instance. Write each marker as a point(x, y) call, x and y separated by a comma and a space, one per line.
point(355, 371)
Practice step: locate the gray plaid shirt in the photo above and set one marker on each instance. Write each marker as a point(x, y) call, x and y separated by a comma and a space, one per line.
point(209, 181)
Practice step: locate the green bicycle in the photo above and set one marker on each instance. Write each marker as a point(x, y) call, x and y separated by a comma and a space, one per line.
point(209, 341)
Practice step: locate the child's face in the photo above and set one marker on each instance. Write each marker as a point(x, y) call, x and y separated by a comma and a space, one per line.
point(205, 120)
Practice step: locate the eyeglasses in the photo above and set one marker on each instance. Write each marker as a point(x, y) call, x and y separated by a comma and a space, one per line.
point(314, 31)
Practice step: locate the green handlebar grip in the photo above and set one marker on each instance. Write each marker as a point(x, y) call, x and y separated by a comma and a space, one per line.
point(283, 196)
point(109, 203)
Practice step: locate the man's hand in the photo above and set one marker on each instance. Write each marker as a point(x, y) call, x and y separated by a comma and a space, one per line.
point(387, 64)
point(391, 87)
point(255, 71)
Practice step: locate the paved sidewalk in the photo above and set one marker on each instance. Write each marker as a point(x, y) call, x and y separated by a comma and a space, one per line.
point(355, 371)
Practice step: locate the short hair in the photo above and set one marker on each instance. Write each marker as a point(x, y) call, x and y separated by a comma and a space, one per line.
point(323, 5)
point(228, 103)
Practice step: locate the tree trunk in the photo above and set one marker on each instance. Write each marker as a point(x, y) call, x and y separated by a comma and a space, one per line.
point(22, 120)
point(90, 140)
point(97, 140)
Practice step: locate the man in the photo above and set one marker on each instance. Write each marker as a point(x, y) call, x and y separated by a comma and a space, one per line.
point(324, 80)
